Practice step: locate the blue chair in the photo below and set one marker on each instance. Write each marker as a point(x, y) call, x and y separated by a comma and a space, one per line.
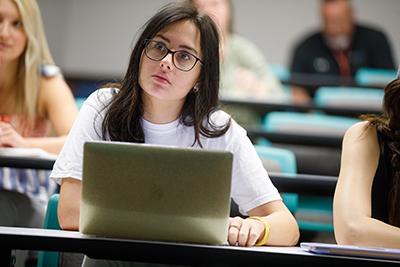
point(79, 101)
point(312, 213)
point(283, 161)
point(374, 77)
point(332, 96)
point(47, 258)
point(280, 71)
point(296, 122)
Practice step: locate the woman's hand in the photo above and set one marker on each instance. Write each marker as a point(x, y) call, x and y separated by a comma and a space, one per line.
point(244, 232)
point(9, 137)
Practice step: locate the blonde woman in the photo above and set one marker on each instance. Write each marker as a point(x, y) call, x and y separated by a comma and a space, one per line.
point(37, 109)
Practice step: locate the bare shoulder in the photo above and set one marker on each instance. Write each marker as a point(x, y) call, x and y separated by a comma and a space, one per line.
point(53, 88)
point(361, 133)
point(53, 84)
point(54, 91)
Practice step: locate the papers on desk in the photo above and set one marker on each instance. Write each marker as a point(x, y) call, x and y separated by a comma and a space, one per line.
point(348, 250)
point(26, 153)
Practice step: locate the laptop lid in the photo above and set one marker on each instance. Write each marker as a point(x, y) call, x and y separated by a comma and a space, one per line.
point(348, 250)
point(151, 192)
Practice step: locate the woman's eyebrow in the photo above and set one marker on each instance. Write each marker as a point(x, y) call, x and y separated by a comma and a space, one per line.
point(163, 37)
point(181, 46)
point(189, 48)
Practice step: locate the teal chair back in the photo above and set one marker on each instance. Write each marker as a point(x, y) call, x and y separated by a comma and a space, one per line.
point(280, 71)
point(79, 101)
point(47, 258)
point(296, 122)
point(283, 161)
point(334, 96)
point(373, 77)
point(312, 213)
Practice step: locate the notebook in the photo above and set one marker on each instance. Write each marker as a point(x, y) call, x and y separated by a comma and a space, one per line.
point(159, 193)
point(347, 250)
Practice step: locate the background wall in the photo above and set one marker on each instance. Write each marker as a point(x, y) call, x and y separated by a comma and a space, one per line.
point(93, 38)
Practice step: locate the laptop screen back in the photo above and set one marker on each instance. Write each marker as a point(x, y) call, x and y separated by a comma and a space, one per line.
point(153, 192)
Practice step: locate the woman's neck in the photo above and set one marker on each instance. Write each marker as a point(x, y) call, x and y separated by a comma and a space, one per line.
point(8, 87)
point(8, 77)
point(161, 112)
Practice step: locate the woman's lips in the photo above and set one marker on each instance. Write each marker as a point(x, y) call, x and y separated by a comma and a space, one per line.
point(161, 78)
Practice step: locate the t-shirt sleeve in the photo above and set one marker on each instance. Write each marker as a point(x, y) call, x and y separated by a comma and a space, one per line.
point(251, 185)
point(87, 127)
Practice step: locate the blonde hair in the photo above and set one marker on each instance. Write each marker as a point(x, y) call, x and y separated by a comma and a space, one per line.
point(35, 55)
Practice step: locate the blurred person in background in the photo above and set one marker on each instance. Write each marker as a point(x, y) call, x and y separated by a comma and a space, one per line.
point(340, 47)
point(244, 71)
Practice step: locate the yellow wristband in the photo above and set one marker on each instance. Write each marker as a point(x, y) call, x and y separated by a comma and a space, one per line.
point(263, 241)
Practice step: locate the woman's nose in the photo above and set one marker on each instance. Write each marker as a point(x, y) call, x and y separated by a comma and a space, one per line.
point(167, 61)
point(4, 29)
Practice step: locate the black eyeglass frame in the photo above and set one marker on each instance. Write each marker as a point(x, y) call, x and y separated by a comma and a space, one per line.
point(169, 51)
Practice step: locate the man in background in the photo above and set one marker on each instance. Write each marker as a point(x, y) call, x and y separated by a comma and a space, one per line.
point(341, 47)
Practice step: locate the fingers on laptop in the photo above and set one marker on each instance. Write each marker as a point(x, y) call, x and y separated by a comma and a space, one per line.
point(244, 232)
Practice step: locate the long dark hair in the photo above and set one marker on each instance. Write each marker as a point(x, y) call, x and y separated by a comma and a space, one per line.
point(388, 125)
point(122, 121)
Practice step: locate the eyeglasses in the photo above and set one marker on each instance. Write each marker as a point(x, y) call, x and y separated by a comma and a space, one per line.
point(181, 59)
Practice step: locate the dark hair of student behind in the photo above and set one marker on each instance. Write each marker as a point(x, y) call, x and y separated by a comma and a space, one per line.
point(388, 125)
point(122, 121)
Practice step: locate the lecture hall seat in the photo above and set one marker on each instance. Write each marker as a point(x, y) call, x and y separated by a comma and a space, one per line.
point(313, 213)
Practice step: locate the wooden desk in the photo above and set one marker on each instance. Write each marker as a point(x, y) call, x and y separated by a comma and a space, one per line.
point(164, 252)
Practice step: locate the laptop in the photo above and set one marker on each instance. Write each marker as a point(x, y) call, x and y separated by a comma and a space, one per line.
point(158, 193)
point(348, 250)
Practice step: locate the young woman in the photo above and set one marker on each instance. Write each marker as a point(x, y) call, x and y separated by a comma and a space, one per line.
point(169, 96)
point(367, 198)
point(37, 109)
point(35, 102)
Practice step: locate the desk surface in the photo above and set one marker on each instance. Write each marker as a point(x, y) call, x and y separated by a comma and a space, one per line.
point(311, 82)
point(263, 107)
point(26, 162)
point(299, 183)
point(163, 252)
point(305, 184)
point(306, 139)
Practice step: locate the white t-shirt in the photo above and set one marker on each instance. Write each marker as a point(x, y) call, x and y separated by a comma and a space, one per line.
point(251, 185)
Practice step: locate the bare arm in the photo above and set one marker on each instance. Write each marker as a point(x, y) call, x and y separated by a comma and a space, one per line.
point(352, 201)
point(69, 204)
point(300, 95)
point(284, 230)
point(55, 103)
